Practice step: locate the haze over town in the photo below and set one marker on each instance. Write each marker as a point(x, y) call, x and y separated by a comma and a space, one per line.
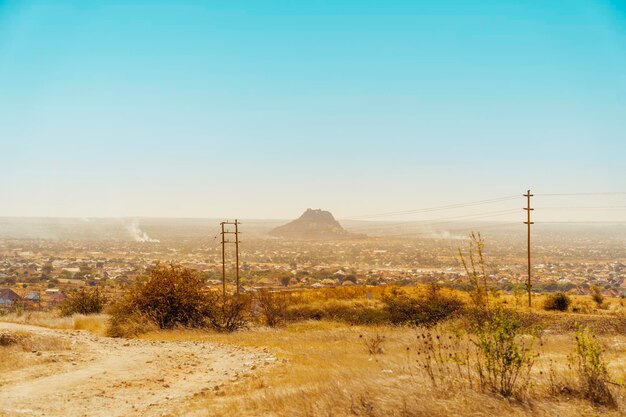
point(312, 208)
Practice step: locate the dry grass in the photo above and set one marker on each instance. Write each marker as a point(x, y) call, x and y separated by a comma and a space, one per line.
point(324, 369)
point(96, 323)
point(24, 349)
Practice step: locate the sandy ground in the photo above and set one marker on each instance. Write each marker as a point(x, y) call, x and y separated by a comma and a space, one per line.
point(101, 376)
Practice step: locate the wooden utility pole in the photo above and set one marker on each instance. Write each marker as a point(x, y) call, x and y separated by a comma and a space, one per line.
point(237, 252)
point(223, 260)
point(528, 223)
point(225, 232)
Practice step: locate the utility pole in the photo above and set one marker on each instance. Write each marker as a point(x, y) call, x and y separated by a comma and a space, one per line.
point(223, 260)
point(225, 232)
point(237, 252)
point(528, 223)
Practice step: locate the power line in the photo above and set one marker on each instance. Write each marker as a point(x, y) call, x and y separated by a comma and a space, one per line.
point(420, 223)
point(436, 208)
point(583, 208)
point(585, 222)
point(578, 194)
point(456, 230)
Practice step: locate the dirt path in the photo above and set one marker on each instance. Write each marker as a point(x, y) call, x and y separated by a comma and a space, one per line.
point(101, 376)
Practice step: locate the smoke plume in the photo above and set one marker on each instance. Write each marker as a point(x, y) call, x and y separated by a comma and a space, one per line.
point(137, 234)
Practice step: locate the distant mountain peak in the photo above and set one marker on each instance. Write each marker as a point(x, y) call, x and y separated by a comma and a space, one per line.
point(314, 224)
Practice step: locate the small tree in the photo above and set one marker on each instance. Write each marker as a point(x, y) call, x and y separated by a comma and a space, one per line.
point(170, 296)
point(228, 313)
point(273, 306)
point(83, 301)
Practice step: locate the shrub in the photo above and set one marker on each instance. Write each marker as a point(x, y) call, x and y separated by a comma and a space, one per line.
point(228, 313)
point(173, 296)
point(503, 363)
point(558, 302)
point(596, 296)
point(592, 369)
point(170, 296)
point(424, 310)
point(445, 356)
point(273, 306)
point(83, 301)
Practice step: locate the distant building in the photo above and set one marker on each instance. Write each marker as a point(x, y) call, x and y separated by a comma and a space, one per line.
point(8, 297)
point(32, 297)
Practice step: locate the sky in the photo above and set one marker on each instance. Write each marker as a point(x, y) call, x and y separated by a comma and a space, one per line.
point(261, 109)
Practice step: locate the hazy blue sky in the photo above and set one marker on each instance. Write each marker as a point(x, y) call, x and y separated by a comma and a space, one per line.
point(264, 108)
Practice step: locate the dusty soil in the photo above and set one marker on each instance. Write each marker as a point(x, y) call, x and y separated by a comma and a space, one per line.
point(101, 376)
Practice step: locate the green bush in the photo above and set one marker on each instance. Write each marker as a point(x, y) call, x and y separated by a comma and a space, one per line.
point(592, 369)
point(83, 301)
point(503, 362)
point(558, 302)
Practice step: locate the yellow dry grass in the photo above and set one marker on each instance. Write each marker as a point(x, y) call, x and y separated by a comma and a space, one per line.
point(324, 369)
point(25, 349)
point(96, 323)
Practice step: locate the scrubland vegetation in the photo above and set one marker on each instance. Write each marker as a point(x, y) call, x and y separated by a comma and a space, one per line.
point(380, 351)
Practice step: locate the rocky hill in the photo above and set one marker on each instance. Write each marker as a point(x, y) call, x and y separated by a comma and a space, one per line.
point(314, 224)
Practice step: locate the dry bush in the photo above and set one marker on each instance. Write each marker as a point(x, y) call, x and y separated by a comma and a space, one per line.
point(228, 313)
point(424, 310)
point(83, 301)
point(596, 296)
point(557, 302)
point(273, 306)
point(445, 357)
point(170, 296)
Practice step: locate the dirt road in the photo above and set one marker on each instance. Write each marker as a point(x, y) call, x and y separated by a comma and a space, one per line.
point(101, 376)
